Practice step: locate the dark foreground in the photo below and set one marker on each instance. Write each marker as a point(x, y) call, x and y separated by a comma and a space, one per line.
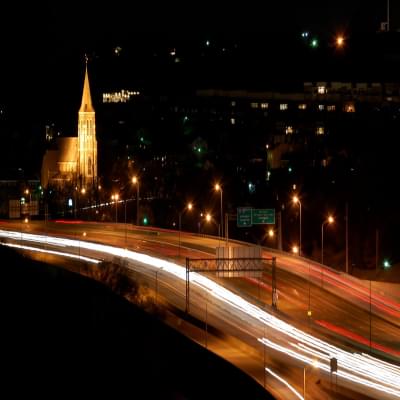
point(66, 335)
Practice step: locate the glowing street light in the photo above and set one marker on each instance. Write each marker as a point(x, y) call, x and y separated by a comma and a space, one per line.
point(115, 197)
point(305, 368)
point(218, 187)
point(329, 220)
point(135, 181)
point(295, 250)
point(340, 41)
point(296, 200)
point(188, 207)
point(271, 233)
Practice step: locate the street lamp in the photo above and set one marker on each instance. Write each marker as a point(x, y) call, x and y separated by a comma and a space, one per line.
point(330, 220)
point(339, 41)
point(296, 200)
point(135, 181)
point(115, 197)
point(208, 218)
point(188, 207)
point(218, 187)
point(313, 365)
point(27, 191)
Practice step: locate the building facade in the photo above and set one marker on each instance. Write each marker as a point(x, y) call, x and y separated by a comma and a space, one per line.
point(73, 160)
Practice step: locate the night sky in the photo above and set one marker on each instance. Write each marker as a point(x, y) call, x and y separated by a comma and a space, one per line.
point(43, 43)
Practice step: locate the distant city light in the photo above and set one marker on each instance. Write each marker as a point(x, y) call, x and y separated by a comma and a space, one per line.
point(386, 264)
point(70, 202)
point(252, 187)
point(119, 97)
point(340, 41)
point(207, 43)
point(304, 34)
point(314, 43)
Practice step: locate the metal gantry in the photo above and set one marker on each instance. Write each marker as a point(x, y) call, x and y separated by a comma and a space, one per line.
point(231, 268)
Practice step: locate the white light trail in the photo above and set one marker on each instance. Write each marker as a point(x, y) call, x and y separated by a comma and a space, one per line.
point(287, 384)
point(366, 371)
point(58, 253)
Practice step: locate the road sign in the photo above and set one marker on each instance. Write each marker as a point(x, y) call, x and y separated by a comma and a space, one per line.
point(243, 216)
point(263, 216)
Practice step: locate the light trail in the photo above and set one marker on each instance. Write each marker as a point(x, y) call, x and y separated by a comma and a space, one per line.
point(366, 371)
point(57, 253)
point(287, 384)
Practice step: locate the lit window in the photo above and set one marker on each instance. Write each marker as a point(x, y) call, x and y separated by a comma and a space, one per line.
point(321, 89)
point(349, 108)
point(320, 130)
point(321, 107)
point(233, 121)
point(332, 107)
point(302, 106)
point(264, 105)
point(289, 130)
point(283, 106)
point(254, 105)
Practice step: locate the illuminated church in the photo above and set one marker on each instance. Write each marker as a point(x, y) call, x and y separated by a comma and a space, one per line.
point(74, 160)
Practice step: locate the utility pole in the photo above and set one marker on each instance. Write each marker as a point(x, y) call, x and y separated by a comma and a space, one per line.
point(347, 237)
point(387, 16)
point(376, 250)
point(227, 229)
point(279, 221)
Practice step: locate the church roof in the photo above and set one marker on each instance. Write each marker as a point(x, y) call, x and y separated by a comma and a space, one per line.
point(86, 105)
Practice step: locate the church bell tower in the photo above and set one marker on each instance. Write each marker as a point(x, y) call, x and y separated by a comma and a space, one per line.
point(87, 143)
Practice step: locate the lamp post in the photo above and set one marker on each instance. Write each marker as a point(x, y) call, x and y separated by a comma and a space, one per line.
point(219, 188)
point(296, 200)
point(188, 207)
point(314, 365)
point(135, 181)
point(115, 197)
point(27, 191)
point(83, 192)
point(330, 220)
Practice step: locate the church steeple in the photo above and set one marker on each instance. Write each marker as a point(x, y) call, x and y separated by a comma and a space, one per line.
point(86, 105)
point(87, 143)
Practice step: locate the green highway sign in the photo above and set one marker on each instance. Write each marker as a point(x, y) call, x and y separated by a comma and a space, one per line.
point(247, 216)
point(263, 216)
point(243, 216)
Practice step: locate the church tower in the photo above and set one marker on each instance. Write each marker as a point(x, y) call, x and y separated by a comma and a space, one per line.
point(87, 143)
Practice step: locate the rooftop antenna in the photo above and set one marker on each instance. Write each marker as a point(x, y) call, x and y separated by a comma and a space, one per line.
point(387, 17)
point(385, 24)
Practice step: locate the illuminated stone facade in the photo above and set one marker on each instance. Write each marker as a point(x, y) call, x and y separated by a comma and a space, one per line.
point(73, 161)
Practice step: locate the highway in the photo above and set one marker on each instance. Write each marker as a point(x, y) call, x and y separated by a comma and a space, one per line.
point(340, 315)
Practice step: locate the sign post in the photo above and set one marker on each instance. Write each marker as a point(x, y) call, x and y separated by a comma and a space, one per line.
point(263, 216)
point(244, 217)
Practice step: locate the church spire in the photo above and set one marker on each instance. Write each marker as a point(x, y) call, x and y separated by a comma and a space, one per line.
point(86, 105)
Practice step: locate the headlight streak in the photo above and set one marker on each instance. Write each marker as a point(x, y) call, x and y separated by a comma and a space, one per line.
point(58, 253)
point(384, 372)
point(344, 362)
point(340, 373)
point(287, 384)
